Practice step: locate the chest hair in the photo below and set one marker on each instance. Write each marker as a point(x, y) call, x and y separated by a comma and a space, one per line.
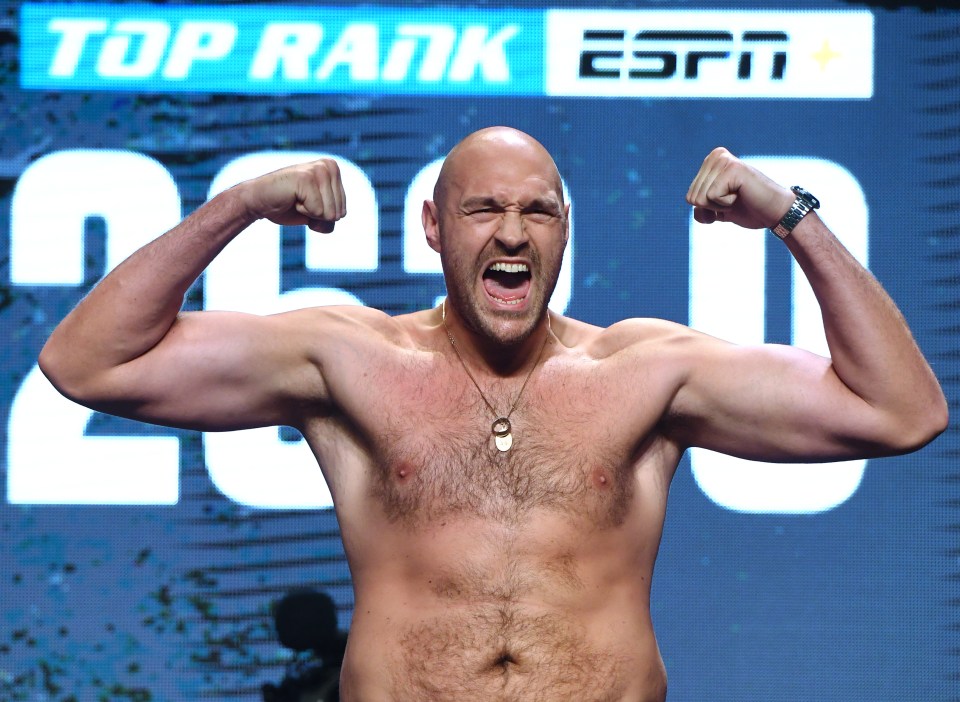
point(440, 460)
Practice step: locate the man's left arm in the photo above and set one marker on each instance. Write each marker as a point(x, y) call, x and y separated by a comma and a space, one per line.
point(876, 395)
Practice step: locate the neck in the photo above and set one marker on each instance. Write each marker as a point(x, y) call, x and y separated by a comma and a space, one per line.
point(484, 352)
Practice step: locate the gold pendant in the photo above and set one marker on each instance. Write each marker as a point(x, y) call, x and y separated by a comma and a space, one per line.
point(501, 433)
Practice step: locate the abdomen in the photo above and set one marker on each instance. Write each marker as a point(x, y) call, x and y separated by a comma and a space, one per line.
point(507, 651)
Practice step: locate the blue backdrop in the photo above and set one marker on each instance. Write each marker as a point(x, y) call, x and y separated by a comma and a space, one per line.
point(140, 563)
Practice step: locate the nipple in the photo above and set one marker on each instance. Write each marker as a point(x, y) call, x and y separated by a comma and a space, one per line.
point(600, 478)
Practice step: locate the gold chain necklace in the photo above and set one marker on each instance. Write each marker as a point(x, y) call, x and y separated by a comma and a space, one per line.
point(501, 425)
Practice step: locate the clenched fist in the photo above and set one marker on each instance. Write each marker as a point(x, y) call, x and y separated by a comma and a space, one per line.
point(728, 190)
point(308, 193)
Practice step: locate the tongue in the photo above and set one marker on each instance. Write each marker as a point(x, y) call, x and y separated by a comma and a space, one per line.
point(506, 286)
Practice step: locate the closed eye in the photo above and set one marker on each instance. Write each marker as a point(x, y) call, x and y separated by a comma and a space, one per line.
point(484, 214)
point(540, 215)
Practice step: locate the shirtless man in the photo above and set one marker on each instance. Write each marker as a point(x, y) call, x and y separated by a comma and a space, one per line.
point(509, 562)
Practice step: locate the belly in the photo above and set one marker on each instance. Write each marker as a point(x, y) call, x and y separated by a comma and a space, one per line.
point(509, 651)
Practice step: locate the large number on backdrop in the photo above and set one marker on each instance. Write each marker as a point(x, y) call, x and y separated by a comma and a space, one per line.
point(50, 459)
point(727, 300)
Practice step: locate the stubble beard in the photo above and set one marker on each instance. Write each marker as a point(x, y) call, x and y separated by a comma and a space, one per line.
point(500, 325)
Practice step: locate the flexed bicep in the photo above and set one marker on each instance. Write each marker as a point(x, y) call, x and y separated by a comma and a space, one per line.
point(127, 349)
point(213, 371)
point(772, 403)
point(875, 395)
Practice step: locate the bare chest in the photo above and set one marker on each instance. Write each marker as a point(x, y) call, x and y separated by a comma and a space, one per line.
point(435, 453)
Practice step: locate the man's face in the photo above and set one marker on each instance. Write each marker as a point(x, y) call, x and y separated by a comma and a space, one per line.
point(502, 229)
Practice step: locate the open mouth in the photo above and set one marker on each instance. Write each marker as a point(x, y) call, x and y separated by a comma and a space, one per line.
point(507, 283)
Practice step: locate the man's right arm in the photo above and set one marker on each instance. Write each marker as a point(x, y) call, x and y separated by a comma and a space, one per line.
point(126, 349)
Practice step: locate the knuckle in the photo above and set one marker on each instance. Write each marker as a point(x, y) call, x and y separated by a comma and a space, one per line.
point(328, 167)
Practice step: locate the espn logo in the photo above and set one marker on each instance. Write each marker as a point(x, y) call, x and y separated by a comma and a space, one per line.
point(710, 54)
point(660, 60)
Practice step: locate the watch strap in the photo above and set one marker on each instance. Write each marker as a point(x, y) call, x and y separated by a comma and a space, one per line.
point(801, 207)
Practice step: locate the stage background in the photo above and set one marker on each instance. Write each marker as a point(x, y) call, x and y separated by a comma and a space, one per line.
point(850, 598)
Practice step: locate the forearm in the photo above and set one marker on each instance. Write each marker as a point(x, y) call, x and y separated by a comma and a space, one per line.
point(871, 347)
point(135, 305)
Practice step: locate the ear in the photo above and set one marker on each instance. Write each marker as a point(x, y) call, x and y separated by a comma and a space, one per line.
point(566, 224)
point(431, 226)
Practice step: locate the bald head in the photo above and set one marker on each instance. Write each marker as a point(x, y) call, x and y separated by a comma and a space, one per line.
point(493, 143)
point(498, 199)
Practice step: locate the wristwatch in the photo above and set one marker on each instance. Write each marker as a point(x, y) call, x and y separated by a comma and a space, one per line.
point(798, 210)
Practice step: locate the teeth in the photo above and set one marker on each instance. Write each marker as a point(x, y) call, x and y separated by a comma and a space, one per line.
point(509, 302)
point(510, 267)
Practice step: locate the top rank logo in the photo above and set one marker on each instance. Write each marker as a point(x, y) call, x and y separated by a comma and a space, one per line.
point(710, 54)
point(280, 49)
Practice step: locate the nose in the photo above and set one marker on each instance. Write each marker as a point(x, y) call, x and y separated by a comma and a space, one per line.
point(512, 234)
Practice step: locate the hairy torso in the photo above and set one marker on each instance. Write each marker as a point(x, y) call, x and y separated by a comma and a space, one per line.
point(489, 575)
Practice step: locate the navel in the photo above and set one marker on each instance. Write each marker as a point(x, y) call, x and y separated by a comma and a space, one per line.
point(503, 661)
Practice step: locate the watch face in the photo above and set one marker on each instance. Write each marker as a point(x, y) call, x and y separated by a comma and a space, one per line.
point(806, 195)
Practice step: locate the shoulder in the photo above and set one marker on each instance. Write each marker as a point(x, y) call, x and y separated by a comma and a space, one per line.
point(637, 334)
point(355, 326)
